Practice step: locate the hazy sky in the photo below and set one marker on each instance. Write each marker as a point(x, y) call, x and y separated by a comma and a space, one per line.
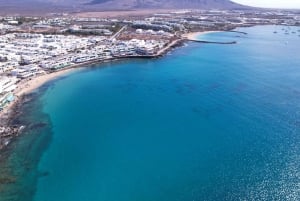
point(271, 3)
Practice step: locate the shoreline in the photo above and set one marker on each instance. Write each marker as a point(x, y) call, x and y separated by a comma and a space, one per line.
point(194, 35)
point(26, 86)
point(10, 130)
point(33, 83)
point(38, 81)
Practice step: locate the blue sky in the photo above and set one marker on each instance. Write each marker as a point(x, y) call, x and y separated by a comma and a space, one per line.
point(271, 3)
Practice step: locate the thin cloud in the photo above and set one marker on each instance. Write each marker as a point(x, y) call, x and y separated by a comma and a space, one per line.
point(271, 3)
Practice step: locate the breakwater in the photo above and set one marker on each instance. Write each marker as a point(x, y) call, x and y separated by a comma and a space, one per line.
point(240, 32)
point(213, 42)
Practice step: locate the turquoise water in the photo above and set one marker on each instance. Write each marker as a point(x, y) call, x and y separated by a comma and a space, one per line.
point(206, 122)
point(221, 37)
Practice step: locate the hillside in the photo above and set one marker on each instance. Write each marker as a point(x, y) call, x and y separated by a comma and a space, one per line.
point(204, 4)
point(20, 6)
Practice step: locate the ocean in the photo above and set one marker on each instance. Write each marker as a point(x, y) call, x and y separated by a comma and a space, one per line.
point(205, 122)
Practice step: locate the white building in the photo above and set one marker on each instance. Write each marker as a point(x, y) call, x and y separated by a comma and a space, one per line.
point(7, 84)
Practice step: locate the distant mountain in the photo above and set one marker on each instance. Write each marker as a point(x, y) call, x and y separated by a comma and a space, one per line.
point(204, 4)
point(85, 5)
point(25, 6)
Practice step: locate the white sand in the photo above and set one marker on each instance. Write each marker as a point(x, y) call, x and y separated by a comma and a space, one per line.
point(27, 86)
point(195, 35)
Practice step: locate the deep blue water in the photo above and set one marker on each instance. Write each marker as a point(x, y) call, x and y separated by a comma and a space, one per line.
point(206, 122)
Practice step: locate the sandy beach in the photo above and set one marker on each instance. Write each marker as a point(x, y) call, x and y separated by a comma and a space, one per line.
point(195, 35)
point(27, 86)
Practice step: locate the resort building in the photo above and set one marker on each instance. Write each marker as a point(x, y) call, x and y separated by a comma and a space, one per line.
point(7, 85)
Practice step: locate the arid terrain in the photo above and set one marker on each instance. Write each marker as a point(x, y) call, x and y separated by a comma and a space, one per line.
point(39, 7)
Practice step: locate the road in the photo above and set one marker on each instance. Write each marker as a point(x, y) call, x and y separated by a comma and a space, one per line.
point(118, 33)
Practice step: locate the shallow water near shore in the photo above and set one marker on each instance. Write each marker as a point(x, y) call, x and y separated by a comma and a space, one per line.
point(206, 122)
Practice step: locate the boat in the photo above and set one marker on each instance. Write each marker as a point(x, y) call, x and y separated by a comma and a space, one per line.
point(275, 32)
